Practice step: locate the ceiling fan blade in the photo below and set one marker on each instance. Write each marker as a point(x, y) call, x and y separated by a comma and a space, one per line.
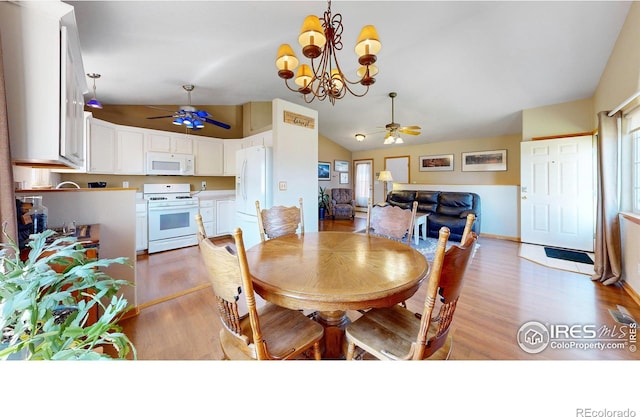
point(160, 108)
point(411, 127)
point(408, 132)
point(217, 123)
point(159, 117)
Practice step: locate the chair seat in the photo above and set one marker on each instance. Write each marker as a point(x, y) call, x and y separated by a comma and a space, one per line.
point(391, 330)
point(287, 333)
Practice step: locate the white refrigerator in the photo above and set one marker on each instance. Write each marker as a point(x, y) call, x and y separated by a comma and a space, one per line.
point(253, 183)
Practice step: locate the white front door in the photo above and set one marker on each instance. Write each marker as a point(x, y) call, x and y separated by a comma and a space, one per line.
point(363, 181)
point(557, 193)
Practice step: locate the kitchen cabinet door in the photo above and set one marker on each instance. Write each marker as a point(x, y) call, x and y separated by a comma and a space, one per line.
point(230, 148)
point(159, 141)
point(141, 227)
point(209, 156)
point(259, 139)
point(102, 147)
point(225, 213)
point(130, 151)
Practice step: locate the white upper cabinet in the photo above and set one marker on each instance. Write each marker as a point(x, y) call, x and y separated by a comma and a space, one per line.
point(44, 81)
point(159, 141)
point(115, 149)
point(259, 139)
point(209, 156)
point(230, 148)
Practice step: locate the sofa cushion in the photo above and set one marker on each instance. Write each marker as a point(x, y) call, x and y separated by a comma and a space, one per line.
point(453, 204)
point(403, 199)
point(427, 201)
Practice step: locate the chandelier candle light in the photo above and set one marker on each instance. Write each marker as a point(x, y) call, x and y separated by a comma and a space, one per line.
point(320, 38)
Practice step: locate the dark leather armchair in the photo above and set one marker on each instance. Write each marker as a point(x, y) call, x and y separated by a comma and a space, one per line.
point(343, 205)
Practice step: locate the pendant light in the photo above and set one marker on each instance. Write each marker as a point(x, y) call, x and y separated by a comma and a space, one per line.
point(94, 101)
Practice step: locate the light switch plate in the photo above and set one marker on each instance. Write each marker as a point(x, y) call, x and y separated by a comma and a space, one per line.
point(282, 186)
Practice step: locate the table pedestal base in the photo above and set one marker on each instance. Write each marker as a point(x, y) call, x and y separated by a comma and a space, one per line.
point(334, 323)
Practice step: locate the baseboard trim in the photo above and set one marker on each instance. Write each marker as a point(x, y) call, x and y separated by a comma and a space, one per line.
point(172, 296)
point(632, 293)
point(511, 238)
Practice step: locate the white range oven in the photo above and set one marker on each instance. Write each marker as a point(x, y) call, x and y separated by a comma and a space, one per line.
point(171, 212)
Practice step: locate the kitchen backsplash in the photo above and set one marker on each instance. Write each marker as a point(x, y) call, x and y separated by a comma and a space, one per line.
point(29, 177)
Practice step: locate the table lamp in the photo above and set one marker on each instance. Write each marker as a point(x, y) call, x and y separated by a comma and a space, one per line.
point(385, 176)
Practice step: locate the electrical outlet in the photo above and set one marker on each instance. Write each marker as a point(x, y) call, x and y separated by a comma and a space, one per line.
point(203, 186)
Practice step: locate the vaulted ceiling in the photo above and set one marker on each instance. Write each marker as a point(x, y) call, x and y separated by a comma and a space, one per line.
point(461, 70)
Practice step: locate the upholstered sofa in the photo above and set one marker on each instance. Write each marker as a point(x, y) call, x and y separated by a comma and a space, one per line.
point(445, 208)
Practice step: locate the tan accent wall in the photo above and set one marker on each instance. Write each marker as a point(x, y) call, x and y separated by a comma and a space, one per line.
point(558, 119)
point(329, 151)
point(136, 115)
point(509, 177)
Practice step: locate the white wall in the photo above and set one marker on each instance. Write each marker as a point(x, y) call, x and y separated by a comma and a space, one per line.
point(629, 232)
point(295, 161)
point(114, 211)
point(499, 205)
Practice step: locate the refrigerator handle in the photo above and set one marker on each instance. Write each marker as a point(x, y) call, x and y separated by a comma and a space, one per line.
point(243, 178)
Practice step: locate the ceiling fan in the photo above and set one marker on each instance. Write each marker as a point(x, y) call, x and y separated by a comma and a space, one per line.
point(393, 129)
point(189, 116)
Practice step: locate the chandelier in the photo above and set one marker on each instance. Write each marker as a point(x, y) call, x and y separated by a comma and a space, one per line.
point(320, 38)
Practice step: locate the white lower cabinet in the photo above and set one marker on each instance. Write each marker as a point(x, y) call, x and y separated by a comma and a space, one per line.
point(141, 227)
point(225, 212)
point(208, 218)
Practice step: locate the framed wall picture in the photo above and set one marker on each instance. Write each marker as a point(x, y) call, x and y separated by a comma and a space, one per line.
point(344, 178)
point(341, 166)
point(485, 160)
point(324, 171)
point(436, 163)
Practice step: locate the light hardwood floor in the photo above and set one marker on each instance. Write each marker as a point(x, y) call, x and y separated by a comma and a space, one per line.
point(177, 319)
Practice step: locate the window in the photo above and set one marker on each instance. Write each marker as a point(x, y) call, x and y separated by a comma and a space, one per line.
point(635, 169)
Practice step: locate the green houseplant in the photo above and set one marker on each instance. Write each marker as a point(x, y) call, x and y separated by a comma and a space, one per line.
point(323, 201)
point(43, 313)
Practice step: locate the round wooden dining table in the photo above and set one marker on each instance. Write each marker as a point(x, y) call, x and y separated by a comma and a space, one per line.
point(332, 272)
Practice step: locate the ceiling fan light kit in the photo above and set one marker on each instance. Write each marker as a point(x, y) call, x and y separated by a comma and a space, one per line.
point(94, 101)
point(190, 117)
point(360, 137)
point(320, 39)
point(393, 129)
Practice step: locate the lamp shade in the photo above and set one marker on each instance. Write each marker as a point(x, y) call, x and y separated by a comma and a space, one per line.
point(385, 176)
point(304, 76)
point(368, 42)
point(94, 103)
point(312, 33)
point(336, 78)
point(373, 71)
point(286, 59)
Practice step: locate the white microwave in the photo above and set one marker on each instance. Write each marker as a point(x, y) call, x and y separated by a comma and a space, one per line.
point(160, 163)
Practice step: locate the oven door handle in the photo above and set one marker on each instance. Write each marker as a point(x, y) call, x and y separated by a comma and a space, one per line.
point(172, 208)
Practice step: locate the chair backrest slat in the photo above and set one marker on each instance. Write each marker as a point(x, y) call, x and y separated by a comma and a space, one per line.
point(228, 272)
point(445, 281)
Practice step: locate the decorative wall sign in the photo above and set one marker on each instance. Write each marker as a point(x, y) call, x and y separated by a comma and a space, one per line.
point(299, 119)
point(341, 166)
point(436, 163)
point(324, 171)
point(485, 160)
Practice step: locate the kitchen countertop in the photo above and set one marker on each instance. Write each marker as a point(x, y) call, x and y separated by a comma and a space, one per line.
point(71, 190)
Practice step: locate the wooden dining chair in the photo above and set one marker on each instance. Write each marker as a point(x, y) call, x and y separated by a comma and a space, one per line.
point(397, 333)
point(271, 332)
point(391, 221)
point(280, 221)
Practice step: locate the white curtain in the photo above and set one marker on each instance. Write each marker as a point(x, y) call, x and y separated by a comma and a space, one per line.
point(7, 205)
point(362, 182)
point(608, 260)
